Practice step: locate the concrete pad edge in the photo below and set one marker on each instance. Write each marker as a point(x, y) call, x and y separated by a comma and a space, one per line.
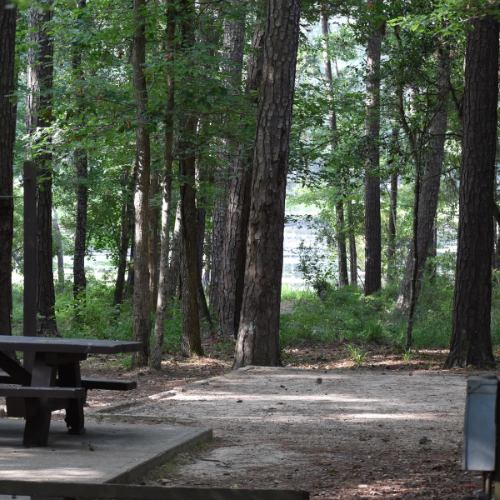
point(135, 472)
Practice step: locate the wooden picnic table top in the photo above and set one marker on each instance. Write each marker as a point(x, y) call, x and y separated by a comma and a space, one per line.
point(50, 344)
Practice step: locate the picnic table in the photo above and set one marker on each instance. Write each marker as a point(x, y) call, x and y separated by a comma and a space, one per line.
point(54, 381)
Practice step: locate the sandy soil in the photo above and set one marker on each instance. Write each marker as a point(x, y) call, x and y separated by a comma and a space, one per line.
point(336, 433)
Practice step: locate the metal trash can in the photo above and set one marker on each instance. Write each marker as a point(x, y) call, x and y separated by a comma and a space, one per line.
point(480, 431)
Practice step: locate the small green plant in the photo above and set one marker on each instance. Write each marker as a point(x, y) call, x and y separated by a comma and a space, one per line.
point(407, 355)
point(356, 354)
point(317, 271)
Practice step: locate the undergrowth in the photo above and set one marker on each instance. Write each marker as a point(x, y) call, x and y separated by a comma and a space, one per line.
point(341, 315)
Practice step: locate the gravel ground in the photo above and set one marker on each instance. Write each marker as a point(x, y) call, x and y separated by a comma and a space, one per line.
point(336, 433)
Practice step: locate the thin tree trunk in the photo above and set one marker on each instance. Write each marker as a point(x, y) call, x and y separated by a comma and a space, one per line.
point(431, 181)
point(38, 117)
point(202, 176)
point(154, 214)
point(163, 288)
point(391, 247)
point(142, 303)
point(471, 334)
point(7, 139)
point(341, 243)
point(59, 253)
point(414, 270)
point(233, 48)
point(373, 248)
point(128, 292)
point(175, 259)
point(258, 335)
point(353, 253)
point(125, 227)
point(332, 120)
point(81, 167)
point(79, 277)
point(234, 249)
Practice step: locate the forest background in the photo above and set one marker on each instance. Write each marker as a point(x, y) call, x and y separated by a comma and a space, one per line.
point(141, 117)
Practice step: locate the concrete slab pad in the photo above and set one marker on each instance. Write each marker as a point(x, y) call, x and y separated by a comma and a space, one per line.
point(107, 453)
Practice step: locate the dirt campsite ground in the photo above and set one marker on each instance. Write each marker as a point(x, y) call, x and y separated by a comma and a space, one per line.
point(383, 428)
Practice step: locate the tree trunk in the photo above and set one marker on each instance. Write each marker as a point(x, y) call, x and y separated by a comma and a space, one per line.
point(353, 253)
point(7, 139)
point(258, 335)
point(125, 227)
point(373, 248)
point(191, 340)
point(341, 243)
point(202, 176)
point(233, 48)
point(175, 259)
point(59, 253)
point(471, 336)
point(234, 249)
point(142, 303)
point(391, 247)
point(154, 214)
point(429, 195)
point(332, 120)
point(128, 292)
point(79, 277)
point(38, 116)
point(81, 167)
point(166, 208)
point(414, 251)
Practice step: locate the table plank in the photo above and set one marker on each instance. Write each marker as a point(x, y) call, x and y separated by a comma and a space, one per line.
point(49, 344)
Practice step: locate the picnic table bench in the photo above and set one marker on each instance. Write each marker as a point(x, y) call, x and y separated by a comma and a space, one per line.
point(68, 491)
point(51, 380)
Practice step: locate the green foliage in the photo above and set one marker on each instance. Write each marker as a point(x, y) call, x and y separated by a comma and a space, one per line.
point(345, 314)
point(356, 354)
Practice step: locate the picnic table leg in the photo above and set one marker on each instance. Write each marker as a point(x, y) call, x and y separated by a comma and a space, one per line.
point(69, 376)
point(36, 430)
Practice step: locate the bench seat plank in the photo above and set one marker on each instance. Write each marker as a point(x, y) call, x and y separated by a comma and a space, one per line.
point(110, 385)
point(132, 492)
point(42, 392)
point(90, 383)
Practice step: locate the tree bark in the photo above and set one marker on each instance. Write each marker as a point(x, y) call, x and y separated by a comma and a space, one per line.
point(154, 214)
point(233, 48)
point(234, 249)
point(79, 277)
point(59, 253)
point(163, 297)
point(128, 291)
point(7, 139)
point(128, 188)
point(471, 335)
point(353, 253)
point(258, 335)
point(391, 247)
point(175, 259)
point(81, 167)
point(142, 303)
point(38, 117)
point(191, 339)
point(431, 181)
point(373, 248)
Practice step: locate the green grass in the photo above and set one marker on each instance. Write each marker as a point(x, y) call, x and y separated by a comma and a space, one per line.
point(345, 314)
